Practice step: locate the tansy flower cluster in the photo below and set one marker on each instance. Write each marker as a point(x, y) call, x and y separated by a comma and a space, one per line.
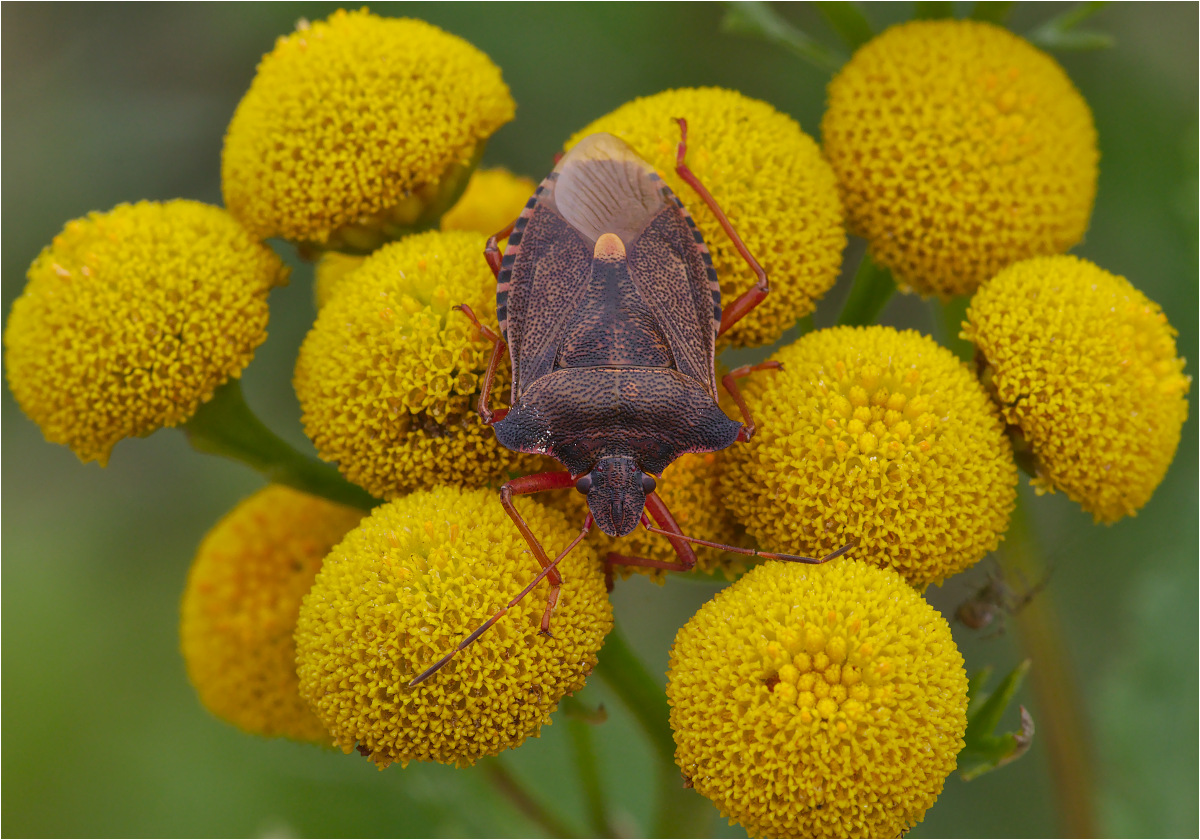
point(806, 698)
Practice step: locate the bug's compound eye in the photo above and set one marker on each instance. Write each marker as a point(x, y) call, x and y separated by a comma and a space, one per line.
point(584, 484)
point(648, 483)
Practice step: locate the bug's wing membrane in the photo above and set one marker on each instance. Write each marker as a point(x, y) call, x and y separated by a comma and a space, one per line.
point(545, 285)
point(680, 287)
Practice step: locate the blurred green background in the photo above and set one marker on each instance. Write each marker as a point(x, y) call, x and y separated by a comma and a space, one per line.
point(103, 735)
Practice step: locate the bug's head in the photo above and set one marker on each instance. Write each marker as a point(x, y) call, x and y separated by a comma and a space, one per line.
point(616, 491)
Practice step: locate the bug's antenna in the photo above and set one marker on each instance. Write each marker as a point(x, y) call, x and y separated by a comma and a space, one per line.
point(500, 613)
point(766, 555)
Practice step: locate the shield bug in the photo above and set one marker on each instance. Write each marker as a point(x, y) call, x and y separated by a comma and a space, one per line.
point(610, 308)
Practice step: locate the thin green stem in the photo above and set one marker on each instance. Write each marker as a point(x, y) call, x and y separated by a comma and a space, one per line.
point(1062, 716)
point(681, 812)
point(1060, 32)
point(511, 788)
point(848, 22)
point(872, 288)
point(580, 730)
point(758, 20)
point(226, 426)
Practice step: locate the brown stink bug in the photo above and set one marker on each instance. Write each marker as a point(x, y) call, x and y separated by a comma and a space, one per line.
point(610, 307)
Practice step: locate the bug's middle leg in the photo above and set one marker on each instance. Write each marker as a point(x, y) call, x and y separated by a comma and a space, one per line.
point(486, 414)
point(536, 483)
point(762, 286)
point(730, 379)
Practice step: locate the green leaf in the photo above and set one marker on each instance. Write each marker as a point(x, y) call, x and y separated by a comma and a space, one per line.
point(758, 20)
point(932, 10)
point(983, 749)
point(1059, 32)
point(848, 21)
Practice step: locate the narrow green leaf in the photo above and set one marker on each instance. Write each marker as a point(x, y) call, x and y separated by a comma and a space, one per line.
point(873, 287)
point(983, 749)
point(848, 21)
point(990, 11)
point(985, 720)
point(1059, 32)
point(758, 20)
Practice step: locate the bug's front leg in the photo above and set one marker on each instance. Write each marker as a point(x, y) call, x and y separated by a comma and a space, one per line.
point(758, 292)
point(687, 555)
point(486, 414)
point(536, 483)
point(491, 251)
point(730, 379)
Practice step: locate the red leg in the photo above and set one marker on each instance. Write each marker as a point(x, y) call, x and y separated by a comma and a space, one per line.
point(491, 251)
point(752, 298)
point(548, 570)
point(485, 395)
point(730, 379)
point(535, 483)
point(663, 517)
point(766, 555)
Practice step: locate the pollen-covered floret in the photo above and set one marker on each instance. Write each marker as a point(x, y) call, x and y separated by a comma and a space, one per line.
point(132, 318)
point(240, 605)
point(390, 374)
point(409, 584)
point(818, 701)
point(358, 129)
point(769, 178)
point(1085, 367)
point(960, 149)
point(879, 436)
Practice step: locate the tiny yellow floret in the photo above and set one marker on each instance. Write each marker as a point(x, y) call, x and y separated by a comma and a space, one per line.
point(131, 319)
point(960, 149)
point(788, 748)
point(389, 376)
point(769, 178)
point(880, 436)
point(240, 606)
point(358, 129)
point(1085, 368)
point(493, 198)
point(409, 584)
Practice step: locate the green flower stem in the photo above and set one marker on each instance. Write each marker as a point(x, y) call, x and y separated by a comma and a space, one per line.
point(872, 288)
point(226, 426)
point(681, 812)
point(1061, 716)
point(580, 730)
point(511, 788)
point(848, 21)
point(950, 316)
point(758, 20)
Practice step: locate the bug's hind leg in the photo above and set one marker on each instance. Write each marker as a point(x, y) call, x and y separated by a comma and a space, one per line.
point(486, 414)
point(536, 483)
point(730, 379)
point(758, 292)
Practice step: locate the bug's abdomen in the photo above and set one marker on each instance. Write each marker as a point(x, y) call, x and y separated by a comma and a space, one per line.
point(613, 325)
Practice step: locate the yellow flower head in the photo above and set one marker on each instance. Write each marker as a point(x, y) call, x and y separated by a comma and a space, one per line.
point(769, 178)
point(960, 149)
point(331, 269)
point(818, 701)
point(389, 376)
point(132, 318)
point(358, 129)
point(493, 198)
point(408, 585)
point(1085, 367)
point(239, 609)
point(877, 435)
